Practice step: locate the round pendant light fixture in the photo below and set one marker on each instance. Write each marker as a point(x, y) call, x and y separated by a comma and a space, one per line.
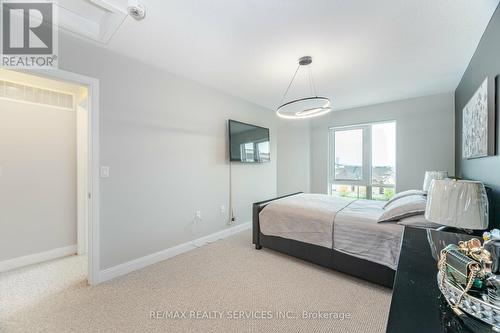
point(307, 107)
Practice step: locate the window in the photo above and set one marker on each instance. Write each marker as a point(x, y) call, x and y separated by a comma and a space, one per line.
point(363, 161)
point(348, 154)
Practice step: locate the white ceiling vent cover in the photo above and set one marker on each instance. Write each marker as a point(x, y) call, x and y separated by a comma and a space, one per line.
point(94, 19)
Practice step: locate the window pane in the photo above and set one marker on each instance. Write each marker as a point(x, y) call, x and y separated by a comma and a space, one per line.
point(384, 154)
point(349, 191)
point(382, 193)
point(348, 154)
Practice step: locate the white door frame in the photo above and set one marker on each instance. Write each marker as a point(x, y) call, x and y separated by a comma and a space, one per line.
point(92, 85)
point(82, 180)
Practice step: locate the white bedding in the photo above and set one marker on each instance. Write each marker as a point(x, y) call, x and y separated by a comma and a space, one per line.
point(346, 225)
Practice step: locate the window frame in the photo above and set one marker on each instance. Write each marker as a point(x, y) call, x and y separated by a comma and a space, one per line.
point(366, 179)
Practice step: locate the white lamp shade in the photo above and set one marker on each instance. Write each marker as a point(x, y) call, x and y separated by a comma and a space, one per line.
point(430, 175)
point(457, 203)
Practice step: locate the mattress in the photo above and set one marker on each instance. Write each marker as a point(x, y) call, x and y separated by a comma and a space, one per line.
point(344, 224)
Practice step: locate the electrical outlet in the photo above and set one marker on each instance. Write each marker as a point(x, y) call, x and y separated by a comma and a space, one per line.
point(222, 209)
point(232, 220)
point(104, 171)
point(197, 215)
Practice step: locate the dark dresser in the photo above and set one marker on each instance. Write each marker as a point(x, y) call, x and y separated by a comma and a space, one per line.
point(417, 305)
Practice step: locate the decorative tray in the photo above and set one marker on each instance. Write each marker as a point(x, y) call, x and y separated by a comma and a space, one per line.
point(471, 305)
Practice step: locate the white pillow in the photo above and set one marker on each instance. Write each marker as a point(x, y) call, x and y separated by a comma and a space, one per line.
point(418, 221)
point(404, 207)
point(402, 195)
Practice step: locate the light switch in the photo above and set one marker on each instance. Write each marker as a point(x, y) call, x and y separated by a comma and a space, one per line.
point(104, 171)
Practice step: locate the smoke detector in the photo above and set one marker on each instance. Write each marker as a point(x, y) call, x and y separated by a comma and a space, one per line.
point(136, 9)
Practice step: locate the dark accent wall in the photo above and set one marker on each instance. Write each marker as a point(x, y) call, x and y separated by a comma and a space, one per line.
point(484, 63)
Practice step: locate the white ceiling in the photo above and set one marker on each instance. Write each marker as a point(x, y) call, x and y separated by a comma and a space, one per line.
point(364, 51)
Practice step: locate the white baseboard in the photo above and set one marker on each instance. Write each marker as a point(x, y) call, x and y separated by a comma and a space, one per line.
point(136, 264)
point(36, 258)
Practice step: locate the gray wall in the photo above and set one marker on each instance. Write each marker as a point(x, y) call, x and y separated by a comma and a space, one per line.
point(424, 138)
point(485, 63)
point(294, 141)
point(165, 140)
point(37, 180)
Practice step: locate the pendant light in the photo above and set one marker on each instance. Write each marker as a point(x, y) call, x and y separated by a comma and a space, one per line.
point(307, 107)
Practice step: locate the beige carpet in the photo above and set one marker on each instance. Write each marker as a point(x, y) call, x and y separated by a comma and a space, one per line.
point(228, 281)
point(25, 287)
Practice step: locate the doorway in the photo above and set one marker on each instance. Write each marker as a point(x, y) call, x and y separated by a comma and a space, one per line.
point(67, 93)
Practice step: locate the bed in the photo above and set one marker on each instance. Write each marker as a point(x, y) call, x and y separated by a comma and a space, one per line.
point(339, 233)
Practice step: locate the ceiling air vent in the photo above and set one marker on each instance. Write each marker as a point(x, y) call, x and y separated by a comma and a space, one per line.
point(94, 19)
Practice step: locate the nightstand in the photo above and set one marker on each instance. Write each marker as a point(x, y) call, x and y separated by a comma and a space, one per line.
point(417, 304)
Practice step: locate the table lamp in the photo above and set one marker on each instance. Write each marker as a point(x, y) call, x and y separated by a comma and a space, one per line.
point(430, 175)
point(460, 204)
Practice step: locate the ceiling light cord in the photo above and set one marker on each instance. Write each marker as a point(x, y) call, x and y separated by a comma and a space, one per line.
point(314, 92)
point(289, 85)
point(310, 82)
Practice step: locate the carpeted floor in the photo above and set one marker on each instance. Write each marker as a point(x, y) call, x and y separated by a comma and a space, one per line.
point(25, 287)
point(238, 288)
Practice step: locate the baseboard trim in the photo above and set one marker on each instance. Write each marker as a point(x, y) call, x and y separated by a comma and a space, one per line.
point(36, 258)
point(139, 263)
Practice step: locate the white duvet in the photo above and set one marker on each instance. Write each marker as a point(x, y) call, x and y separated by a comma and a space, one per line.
point(344, 224)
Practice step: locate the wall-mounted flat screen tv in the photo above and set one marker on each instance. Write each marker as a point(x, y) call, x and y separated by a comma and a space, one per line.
point(248, 143)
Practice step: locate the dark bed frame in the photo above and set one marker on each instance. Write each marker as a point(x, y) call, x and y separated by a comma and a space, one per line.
point(320, 255)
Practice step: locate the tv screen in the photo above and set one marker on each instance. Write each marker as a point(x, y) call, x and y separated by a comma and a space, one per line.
point(248, 143)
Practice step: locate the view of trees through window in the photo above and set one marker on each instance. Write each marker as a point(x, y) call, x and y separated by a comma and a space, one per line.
point(363, 161)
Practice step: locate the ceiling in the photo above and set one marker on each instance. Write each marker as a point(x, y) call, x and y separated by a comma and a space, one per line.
point(364, 51)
